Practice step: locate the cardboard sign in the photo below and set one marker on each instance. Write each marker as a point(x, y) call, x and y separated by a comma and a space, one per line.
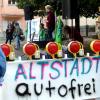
point(33, 28)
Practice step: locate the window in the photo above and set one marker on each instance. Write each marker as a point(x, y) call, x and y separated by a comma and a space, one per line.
point(11, 2)
point(1, 2)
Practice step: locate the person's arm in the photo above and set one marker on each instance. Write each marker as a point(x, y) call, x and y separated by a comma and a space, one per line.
point(6, 31)
point(48, 21)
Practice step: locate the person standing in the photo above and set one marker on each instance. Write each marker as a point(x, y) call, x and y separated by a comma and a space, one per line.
point(9, 33)
point(50, 24)
point(58, 30)
point(18, 32)
point(42, 33)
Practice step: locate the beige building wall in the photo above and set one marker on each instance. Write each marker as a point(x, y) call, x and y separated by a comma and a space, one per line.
point(9, 13)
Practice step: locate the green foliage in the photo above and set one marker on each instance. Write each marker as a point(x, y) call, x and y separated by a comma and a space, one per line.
point(88, 8)
point(22, 3)
point(36, 4)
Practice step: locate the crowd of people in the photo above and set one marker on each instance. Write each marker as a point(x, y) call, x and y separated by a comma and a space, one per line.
point(14, 31)
point(55, 28)
point(52, 32)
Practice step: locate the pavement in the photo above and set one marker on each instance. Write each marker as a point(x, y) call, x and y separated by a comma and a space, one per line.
point(17, 52)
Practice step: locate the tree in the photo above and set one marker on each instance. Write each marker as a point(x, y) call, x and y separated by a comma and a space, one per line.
point(39, 4)
point(89, 8)
point(86, 8)
point(36, 4)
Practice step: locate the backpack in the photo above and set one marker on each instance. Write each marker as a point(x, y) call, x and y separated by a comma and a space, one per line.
point(18, 31)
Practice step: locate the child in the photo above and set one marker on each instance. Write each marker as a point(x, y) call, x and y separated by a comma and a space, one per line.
point(42, 35)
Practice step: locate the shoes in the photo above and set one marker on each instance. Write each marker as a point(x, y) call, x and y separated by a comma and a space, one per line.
point(17, 48)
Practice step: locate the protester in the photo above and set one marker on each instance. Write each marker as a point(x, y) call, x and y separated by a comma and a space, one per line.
point(9, 33)
point(18, 32)
point(42, 33)
point(13, 25)
point(50, 21)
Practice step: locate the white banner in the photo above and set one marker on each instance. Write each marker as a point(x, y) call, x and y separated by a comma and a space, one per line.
point(66, 79)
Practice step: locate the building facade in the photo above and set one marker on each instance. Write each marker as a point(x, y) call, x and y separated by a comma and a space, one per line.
point(9, 12)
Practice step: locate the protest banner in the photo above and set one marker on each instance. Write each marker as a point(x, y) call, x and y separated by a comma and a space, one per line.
point(71, 79)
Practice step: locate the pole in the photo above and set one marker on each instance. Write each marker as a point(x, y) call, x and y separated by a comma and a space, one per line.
point(30, 31)
point(86, 27)
point(72, 29)
point(1, 89)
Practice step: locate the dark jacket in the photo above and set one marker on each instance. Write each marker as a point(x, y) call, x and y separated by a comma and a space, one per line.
point(9, 33)
point(51, 20)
